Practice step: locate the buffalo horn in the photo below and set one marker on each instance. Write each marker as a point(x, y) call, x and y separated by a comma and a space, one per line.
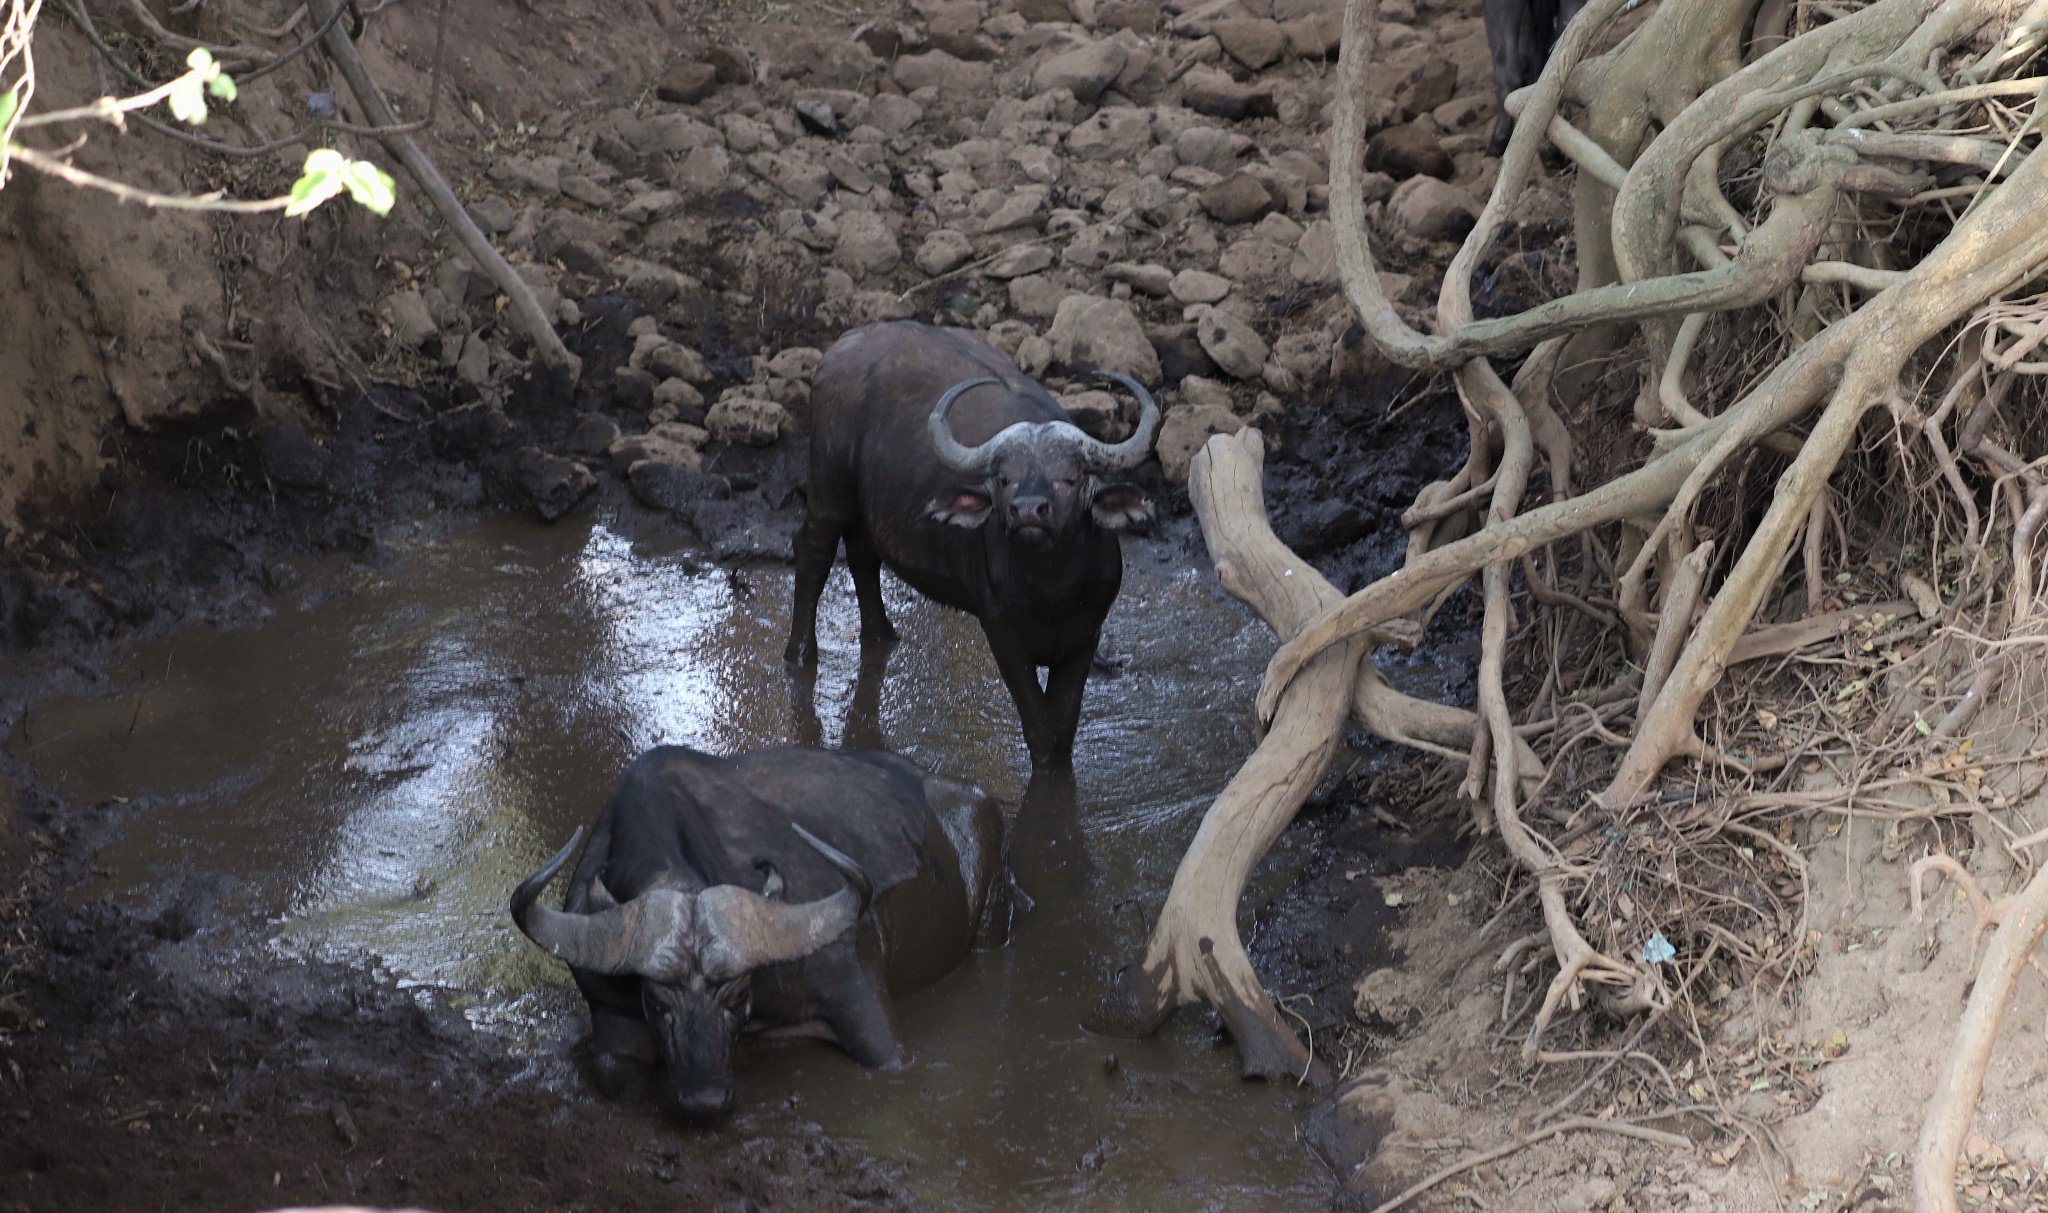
point(1107, 457)
point(972, 460)
point(742, 930)
point(647, 935)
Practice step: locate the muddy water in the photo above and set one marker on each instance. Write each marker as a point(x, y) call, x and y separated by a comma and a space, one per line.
point(363, 779)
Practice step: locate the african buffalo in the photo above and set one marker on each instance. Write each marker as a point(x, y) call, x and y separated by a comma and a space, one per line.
point(1520, 33)
point(791, 891)
point(1002, 511)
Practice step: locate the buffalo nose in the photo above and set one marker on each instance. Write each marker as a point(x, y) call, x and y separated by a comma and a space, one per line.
point(1030, 511)
point(703, 1104)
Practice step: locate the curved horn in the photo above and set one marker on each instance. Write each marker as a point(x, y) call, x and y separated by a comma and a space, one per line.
point(973, 460)
point(742, 930)
point(642, 936)
point(1105, 457)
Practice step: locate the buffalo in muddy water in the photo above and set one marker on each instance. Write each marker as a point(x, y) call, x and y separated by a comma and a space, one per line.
point(933, 454)
point(786, 891)
point(1519, 35)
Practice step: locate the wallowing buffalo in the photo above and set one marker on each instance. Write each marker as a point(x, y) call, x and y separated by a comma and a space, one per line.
point(1520, 33)
point(933, 454)
point(789, 891)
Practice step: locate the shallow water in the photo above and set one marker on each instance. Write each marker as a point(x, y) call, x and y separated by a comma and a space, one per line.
point(372, 774)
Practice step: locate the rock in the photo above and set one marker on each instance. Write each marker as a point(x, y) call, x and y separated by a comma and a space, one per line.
point(676, 399)
point(707, 170)
point(664, 485)
point(633, 389)
point(538, 175)
point(650, 205)
point(1314, 37)
point(802, 180)
point(672, 442)
point(798, 362)
point(1084, 71)
point(1212, 148)
point(553, 483)
point(1407, 151)
point(1250, 40)
point(746, 420)
point(1202, 390)
point(731, 63)
point(1254, 259)
point(1183, 432)
point(1199, 286)
point(669, 134)
point(737, 530)
point(1041, 12)
point(1279, 229)
point(1217, 95)
point(818, 117)
point(1432, 210)
point(411, 321)
point(1461, 112)
point(1089, 330)
point(1314, 261)
point(1148, 197)
point(1376, 187)
point(1024, 206)
point(1181, 354)
point(1153, 280)
point(687, 83)
point(819, 233)
point(1137, 16)
point(893, 115)
point(1234, 344)
point(937, 69)
point(1036, 295)
point(1428, 84)
point(1239, 198)
point(586, 191)
point(887, 39)
point(593, 435)
point(493, 213)
point(1019, 260)
point(473, 364)
point(1111, 134)
point(867, 247)
point(744, 135)
point(943, 251)
point(1007, 335)
point(965, 46)
point(1096, 246)
point(1034, 354)
point(1306, 356)
point(1103, 415)
point(665, 359)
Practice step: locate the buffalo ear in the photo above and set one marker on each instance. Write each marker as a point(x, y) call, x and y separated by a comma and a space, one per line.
point(1120, 507)
point(960, 507)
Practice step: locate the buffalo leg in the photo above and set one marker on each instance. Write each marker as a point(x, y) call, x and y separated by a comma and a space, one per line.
point(1065, 683)
point(866, 566)
point(1034, 710)
point(817, 545)
point(1518, 36)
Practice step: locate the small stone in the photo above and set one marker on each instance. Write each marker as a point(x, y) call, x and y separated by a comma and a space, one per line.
point(1095, 246)
point(1036, 295)
point(1085, 71)
point(1181, 354)
point(1426, 85)
point(473, 364)
point(1314, 262)
point(731, 64)
point(1112, 134)
point(1217, 95)
point(493, 213)
point(650, 205)
point(745, 420)
point(1202, 390)
point(1254, 259)
point(966, 46)
point(1102, 415)
point(1408, 151)
point(1199, 286)
point(687, 83)
point(1042, 12)
point(1461, 112)
point(1034, 354)
point(1314, 37)
point(887, 39)
point(676, 399)
point(1212, 148)
point(707, 170)
point(553, 483)
point(1153, 280)
point(937, 69)
point(867, 246)
point(893, 115)
point(1252, 41)
point(1185, 430)
point(593, 435)
point(1239, 198)
point(640, 448)
point(411, 321)
point(943, 251)
point(818, 117)
point(1024, 206)
point(1233, 343)
point(665, 485)
point(1137, 16)
point(798, 362)
point(1091, 331)
point(665, 359)
point(1279, 229)
point(1432, 210)
point(1019, 260)
point(633, 389)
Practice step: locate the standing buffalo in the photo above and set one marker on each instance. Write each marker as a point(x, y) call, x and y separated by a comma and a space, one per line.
point(792, 891)
point(1520, 34)
point(1004, 511)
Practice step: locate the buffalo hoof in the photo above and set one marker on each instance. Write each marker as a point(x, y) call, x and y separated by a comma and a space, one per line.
point(882, 638)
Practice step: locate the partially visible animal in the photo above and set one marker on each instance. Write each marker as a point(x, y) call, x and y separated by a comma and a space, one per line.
point(934, 454)
point(1520, 33)
point(792, 891)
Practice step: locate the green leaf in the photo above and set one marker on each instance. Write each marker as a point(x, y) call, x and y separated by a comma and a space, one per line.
point(1920, 724)
point(188, 99)
point(9, 101)
point(199, 60)
point(371, 186)
point(222, 86)
point(320, 181)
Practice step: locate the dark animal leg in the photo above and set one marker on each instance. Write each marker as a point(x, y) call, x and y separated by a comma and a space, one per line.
point(1518, 35)
point(817, 544)
point(1034, 710)
point(858, 1017)
point(863, 725)
point(866, 565)
point(1065, 683)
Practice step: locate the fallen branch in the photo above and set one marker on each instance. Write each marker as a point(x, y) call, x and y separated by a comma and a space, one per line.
point(1670, 1141)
